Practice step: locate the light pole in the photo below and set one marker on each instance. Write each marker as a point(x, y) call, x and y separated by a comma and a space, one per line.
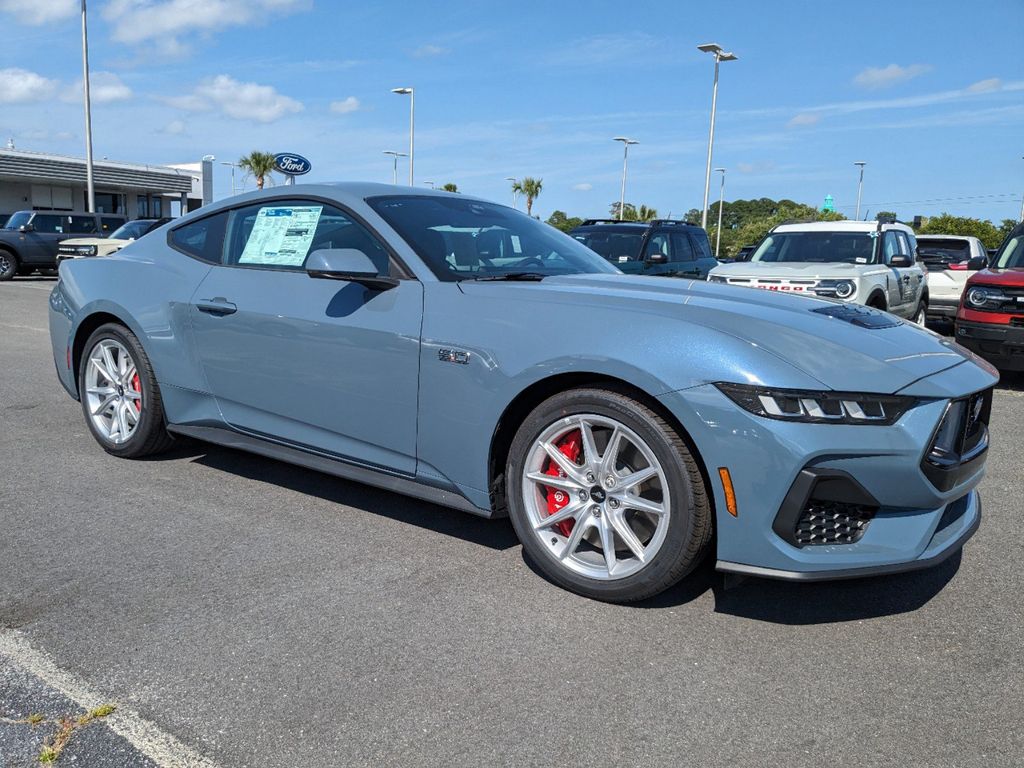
point(233, 166)
point(515, 194)
point(90, 190)
point(411, 93)
point(1022, 204)
point(721, 200)
point(428, 184)
point(720, 56)
point(626, 141)
point(396, 155)
point(860, 186)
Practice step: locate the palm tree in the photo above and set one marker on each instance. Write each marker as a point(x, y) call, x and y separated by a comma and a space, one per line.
point(259, 164)
point(530, 188)
point(450, 187)
point(643, 213)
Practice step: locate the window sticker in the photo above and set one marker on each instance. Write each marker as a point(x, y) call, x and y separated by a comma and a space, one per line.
point(282, 236)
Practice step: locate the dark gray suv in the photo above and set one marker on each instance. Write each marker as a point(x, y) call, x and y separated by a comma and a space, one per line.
point(29, 239)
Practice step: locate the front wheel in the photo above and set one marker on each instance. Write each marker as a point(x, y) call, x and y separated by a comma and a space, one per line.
point(605, 496)
point(920, 314)
point(8, 265)
point(120, 396)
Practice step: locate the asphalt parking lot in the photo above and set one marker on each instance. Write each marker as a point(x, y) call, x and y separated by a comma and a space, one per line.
point(259, 614)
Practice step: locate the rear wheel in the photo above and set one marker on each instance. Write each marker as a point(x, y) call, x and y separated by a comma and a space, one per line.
point(605, 496)
point(120, 396)
point(920, 314)
point(8, 265)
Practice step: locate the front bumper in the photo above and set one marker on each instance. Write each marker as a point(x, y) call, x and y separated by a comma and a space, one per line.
point(911, 526)
point(1001, 345)
point(940, 307)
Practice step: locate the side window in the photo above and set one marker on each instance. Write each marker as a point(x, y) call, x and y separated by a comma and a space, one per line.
point(890, 246)
point(683, 248)
point(658, 244)
point(83, 225)
point(49, 224)
point(282, 234)
point(703, 246)
point(108, 224)
point(202, 239)
point(907, 246)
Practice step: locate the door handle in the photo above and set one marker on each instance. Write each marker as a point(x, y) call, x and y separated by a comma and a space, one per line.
point(216, 306)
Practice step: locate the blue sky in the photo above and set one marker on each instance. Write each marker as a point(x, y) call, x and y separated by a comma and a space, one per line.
point(931, 95)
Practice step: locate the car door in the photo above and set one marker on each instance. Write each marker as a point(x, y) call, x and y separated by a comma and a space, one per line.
point(321, 364)
point(893, 279)
point(908, 278)
point(39, 244)
point(658, 255)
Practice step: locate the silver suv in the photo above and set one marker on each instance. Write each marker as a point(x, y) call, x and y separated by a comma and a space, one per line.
point(863, 262)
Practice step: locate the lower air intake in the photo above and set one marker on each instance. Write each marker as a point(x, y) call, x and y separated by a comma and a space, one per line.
point(832, 522)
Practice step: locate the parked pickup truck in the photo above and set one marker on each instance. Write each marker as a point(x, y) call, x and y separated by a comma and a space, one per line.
point(950, 261)
point(862, 262)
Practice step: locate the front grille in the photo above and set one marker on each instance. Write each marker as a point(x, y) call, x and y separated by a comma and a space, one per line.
point(832, 522)
point(960, 441)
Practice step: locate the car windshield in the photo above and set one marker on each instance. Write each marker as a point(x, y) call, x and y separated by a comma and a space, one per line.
point(132, 230)
point(465, 239)
point(17, 219)
point(614, 245)
point(1011, 255)
point(819, 247)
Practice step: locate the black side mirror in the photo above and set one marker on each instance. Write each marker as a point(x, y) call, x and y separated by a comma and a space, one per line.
point(349, 264)
point(656, 258)
point(900, 260)
point(976, 263)
point(26, 228)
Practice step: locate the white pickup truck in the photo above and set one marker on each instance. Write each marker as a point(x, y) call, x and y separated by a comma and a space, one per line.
point(864, 262)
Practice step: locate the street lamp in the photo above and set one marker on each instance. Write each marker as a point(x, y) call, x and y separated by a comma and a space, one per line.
point(90, 190)
point(1022, 204)
point(396, 155)
point(411, 93)
point(625, 156)
point(860, 186)
point(720, 56)
point(721, 200)
point(233, 166)
point(428, 184)
point(515, 193)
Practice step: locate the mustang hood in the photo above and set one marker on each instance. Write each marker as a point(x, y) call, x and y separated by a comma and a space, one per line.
point(846, 347)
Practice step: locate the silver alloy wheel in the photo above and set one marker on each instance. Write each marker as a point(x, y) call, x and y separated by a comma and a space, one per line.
point(113, 393)
point(919, 318)
point(5, 262)
point(604, 514)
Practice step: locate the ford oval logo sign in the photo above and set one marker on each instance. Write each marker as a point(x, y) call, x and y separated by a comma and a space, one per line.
point(291, 164)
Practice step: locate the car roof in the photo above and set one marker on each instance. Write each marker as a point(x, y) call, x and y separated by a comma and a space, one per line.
point(968, 238)
point(612, 225)
point(846, 225)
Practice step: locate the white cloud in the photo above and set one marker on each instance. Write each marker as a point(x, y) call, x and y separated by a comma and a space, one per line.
point(175, 127)
point(759, 167)
point(804, 118)
point(985, 86)
point(584, 187)
point(39, 12)
point(163, 22)
point(21, 85)
point(241, 101)
point(104, 88)
point(601, 49)
point(428, 50)
point(874, 78)
point(345, 106)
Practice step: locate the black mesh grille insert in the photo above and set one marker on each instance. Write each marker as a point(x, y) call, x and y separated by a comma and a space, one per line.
point(832, 522)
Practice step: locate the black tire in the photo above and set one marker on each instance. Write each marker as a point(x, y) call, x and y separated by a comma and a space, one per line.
point(878, 302)
point(150, 435)
point(8, 265)
point(690, 517)
point(920, 314)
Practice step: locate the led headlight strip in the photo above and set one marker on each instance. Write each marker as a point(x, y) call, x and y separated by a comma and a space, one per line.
point(817, 407)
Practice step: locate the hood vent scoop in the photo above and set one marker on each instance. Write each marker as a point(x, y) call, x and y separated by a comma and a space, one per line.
point(865, 317)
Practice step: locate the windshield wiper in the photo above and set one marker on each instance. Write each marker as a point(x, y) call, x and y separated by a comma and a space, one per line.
point(512, 276)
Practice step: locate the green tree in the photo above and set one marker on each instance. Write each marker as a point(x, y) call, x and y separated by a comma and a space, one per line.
point(559, 220)
point(450, 187)
point(1006, 227)
point(947, 224)
point(745, 222)
point(259, 165)
point(529, 188)
point(886, 215)
point(631, 213)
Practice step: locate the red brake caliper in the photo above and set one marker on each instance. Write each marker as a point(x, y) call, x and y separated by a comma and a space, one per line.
point(557, 498)
point(137, 386)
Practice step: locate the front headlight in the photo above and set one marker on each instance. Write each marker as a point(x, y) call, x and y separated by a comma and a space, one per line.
point(983, 297)
point(716, 279)
point(841, 289)
point(817, 407)
point(85, 250)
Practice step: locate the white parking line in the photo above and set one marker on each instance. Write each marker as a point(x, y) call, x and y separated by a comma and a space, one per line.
point(160, 747)
point(46, 288)
point(23, 327)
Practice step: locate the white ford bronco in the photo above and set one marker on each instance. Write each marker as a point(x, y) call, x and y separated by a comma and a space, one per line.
point(865, 262)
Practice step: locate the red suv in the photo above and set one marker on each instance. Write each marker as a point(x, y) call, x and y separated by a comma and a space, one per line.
point(990, 320)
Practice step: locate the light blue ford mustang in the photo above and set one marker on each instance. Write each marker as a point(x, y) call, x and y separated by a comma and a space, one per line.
point(461, 352)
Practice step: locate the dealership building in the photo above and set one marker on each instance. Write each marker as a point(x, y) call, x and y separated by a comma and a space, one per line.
point(45, 182)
